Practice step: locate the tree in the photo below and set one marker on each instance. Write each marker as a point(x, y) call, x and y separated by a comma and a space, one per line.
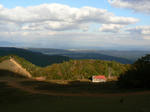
point(138, 75)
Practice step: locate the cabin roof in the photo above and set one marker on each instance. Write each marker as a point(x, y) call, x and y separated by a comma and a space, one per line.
point(100, 77)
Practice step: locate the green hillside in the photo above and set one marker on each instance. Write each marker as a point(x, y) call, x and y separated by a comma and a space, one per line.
point(84, 69)
point(73, 69)
point(24, 63)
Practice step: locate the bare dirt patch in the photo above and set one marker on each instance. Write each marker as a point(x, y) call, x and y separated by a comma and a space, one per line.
point(13, 66)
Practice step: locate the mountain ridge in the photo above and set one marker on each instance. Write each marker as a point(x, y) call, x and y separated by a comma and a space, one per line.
point(118, 56)
point(36, 58)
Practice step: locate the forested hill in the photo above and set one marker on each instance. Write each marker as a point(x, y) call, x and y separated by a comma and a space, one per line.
point(84, 69)
point(34, 57)
point(73, 69)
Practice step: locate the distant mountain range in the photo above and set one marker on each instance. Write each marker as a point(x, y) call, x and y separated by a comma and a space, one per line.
point(48, 56)
point(125, 57)
point(130, 55)
point(34, 57)
point(5, 43)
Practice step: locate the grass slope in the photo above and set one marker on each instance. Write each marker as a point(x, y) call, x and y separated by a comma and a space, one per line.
point(31, 68)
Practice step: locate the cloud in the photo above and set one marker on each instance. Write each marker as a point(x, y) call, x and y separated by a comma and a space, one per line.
point(58, 17)
point(142, 31)
point(69, 40)
point(135, 5)
point(62, 26)
point(114, 28)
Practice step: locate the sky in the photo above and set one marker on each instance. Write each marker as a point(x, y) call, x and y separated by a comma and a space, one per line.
point(76, 24)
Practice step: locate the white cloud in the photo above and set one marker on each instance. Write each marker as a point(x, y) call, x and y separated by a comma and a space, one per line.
point(76, 40)
point(57, 17)
point(111, 28)
point(47, 25)
point(136, 5)
point(142, 31)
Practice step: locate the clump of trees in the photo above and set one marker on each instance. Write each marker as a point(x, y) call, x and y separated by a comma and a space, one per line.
point(138, 76)
point(84, 69)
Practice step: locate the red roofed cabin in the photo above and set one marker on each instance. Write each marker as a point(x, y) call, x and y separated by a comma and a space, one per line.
point(99, 78)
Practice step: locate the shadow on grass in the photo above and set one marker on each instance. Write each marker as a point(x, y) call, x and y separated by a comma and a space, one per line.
point(79, 87)
point(7, 73)
point(10, 95)
point(15, 100)
point(71, 87)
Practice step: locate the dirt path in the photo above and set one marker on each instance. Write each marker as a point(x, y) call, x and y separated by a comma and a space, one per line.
point(20, 67)
point(16, 84)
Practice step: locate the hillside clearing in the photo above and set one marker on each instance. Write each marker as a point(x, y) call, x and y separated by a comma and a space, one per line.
point(14, 66)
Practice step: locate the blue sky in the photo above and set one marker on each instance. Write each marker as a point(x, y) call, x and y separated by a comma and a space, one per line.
point(93, 28)
point(74, 3)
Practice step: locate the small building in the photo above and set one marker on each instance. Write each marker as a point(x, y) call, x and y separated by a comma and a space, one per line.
point(99, 78)
point(40, 78)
